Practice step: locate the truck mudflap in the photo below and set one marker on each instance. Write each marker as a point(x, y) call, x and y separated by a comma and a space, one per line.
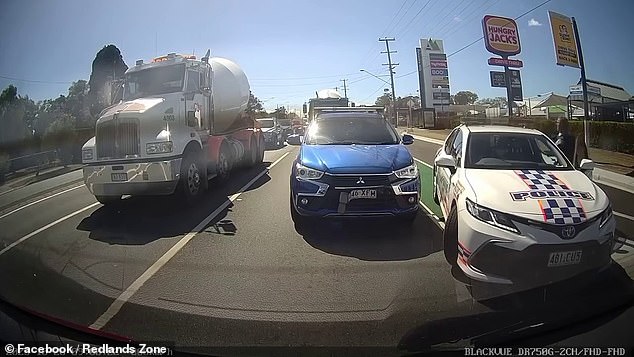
point(158, 177)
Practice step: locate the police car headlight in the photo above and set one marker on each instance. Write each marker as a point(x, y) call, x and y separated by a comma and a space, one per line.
point(307, 173)
point(605, 216)
point(491, 217)
point(410, 171)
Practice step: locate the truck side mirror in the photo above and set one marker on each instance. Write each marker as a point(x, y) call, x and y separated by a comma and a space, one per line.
point(206, 91)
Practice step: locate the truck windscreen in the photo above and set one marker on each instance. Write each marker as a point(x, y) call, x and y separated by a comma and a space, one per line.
point(153, 81)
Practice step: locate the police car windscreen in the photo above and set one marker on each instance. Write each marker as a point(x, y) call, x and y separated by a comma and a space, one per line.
point(513, 151)
point(351, 130)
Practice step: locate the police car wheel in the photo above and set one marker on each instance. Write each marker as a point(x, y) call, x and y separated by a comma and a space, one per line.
point(450, 237)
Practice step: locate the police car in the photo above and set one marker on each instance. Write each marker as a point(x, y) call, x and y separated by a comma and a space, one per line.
point(516, 209)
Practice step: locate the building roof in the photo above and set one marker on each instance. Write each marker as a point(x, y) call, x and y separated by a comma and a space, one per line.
point(609, 90)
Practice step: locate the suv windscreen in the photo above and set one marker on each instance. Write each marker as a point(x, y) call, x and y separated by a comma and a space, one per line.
point(351, 130)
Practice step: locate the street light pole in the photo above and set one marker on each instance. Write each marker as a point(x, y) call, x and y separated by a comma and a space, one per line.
point(391, 67)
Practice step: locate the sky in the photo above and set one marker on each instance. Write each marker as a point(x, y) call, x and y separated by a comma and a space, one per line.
point(290, 49)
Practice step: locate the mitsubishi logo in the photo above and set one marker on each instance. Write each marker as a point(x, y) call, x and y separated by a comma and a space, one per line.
point(568, 232)
point(360, 181)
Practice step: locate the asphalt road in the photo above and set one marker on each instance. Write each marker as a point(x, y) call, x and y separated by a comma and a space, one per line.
point(232, 271)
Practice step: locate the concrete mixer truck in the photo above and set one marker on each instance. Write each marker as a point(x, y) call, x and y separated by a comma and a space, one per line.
point(181, 122)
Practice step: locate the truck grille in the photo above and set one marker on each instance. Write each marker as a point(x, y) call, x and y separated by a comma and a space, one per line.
point(118, 138)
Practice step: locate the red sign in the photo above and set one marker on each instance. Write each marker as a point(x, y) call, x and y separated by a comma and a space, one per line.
point(501, 36)
point(494, 61)
point(438, 64)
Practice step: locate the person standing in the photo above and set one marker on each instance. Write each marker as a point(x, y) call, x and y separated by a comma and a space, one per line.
point(564, 140)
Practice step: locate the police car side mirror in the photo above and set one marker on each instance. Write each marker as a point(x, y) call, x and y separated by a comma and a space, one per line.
point(587, 164)
point(446, 161)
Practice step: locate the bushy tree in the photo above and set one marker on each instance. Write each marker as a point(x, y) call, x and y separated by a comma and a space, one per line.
point(108, 66)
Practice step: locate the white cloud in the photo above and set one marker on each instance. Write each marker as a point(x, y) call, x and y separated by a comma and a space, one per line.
point(457, 19)
point(533, 22)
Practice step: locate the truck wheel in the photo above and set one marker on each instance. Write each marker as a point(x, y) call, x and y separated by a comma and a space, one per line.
point(108, 200)
point(253, 153)
point(261, 151)
point(450, 237)
point(192, 177)
point(223, 166)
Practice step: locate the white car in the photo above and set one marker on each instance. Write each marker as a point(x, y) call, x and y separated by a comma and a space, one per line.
point(516, 209)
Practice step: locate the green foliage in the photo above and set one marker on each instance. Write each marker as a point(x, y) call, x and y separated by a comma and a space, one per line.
point(60, 136)
point(383, 100)
point(494, 102)
point(280, 113)
point(606, 135)
point(254, 105)
point(107, 66)
point(465, 97)
point(8, 95)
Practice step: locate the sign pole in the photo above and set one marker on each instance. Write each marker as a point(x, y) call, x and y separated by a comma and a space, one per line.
point(509, 96)
point(584, 84)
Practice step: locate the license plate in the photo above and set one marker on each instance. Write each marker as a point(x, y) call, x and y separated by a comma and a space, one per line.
point(120, 176)
point(564, 258)
point(366, 193)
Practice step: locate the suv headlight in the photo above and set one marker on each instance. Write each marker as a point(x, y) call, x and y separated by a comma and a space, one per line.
point(307, 173)
point(159, 148)
point(410, 171)
point(491, 217)
point(605, 216)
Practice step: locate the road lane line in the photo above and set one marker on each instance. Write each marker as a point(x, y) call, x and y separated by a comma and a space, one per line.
point(435, 218)
point(40, 200)
point(423, 162)
point(116, 305)
point(7, 248)
point(623, 215)
point(429, 140)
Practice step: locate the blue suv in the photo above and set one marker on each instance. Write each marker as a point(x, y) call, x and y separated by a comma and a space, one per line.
point(354, 164)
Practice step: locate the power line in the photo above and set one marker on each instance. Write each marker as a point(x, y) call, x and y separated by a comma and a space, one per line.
point(300, 78)
point(34, 81)
point(413, 18)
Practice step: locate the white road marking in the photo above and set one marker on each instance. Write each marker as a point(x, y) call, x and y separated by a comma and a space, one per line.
point(10, 246)
point(40, 200)
point(116, 305)
point(423, 162)
point(435, 218)
point(623, 215)
point(429, 140)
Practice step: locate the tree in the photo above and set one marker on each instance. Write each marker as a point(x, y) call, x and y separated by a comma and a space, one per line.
point(384, 100)
point(494, 102)
point(254, 105)
point(8, 95)
point(77, 105)
point(465, 97)
point(280, 113)
point(107, 67)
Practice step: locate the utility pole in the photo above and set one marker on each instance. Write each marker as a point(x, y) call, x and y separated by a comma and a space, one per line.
point(345, 89)
point(391, 66)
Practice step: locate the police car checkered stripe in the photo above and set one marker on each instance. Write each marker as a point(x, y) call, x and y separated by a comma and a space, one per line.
point(541, 180)
point(560, 211)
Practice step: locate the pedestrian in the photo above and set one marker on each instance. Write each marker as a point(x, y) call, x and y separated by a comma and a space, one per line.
point(564, 140)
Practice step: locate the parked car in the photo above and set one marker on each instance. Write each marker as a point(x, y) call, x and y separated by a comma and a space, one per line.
point(272, 132)
point(516, 209)
point(353, 164)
